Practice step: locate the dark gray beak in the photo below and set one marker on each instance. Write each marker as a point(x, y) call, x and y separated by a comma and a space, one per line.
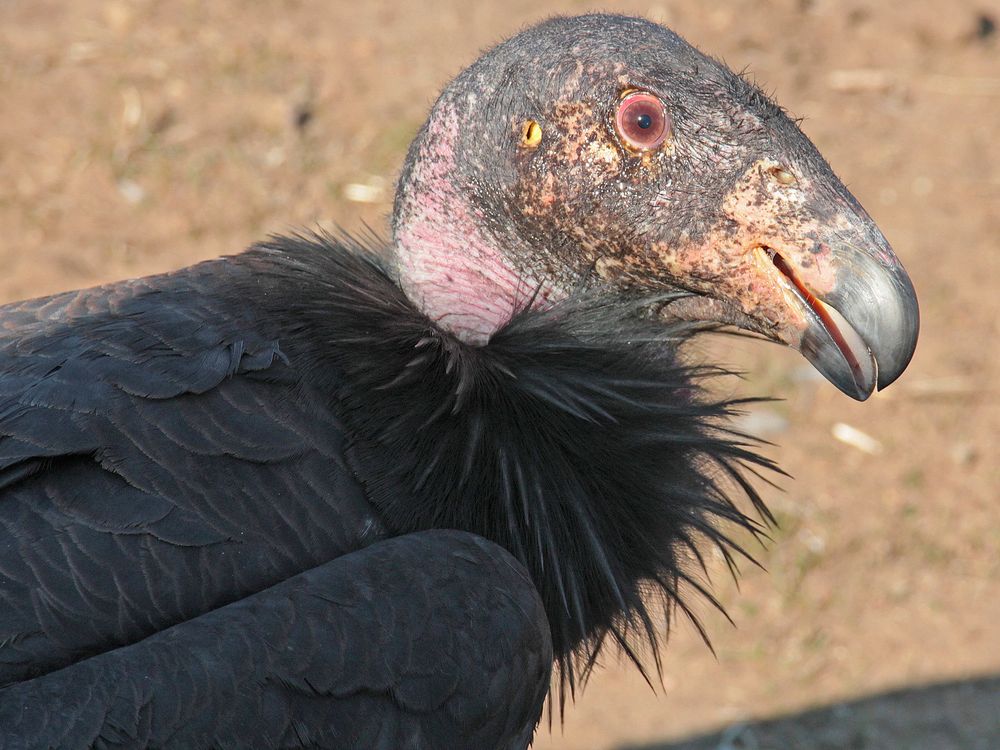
point(862, 331)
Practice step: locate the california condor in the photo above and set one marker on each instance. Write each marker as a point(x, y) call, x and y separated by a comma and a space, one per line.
point(327, 493)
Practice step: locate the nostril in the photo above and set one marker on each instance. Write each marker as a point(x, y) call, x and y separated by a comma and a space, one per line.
point(782, 175)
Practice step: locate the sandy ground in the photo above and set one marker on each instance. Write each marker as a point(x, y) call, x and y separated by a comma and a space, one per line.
point(140, 136)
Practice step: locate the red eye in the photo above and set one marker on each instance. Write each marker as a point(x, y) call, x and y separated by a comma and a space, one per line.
point(642, 121)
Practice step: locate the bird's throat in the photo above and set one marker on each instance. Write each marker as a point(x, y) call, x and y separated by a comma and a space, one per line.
point(448, 262)
point(461, 284)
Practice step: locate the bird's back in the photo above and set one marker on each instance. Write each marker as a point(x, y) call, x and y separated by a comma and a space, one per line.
point(159, 457)
point(188, 555)
point(398, 645)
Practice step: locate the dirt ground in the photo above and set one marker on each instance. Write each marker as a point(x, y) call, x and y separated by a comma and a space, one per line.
point(137, 137)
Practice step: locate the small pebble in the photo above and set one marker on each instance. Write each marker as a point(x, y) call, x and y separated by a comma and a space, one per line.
point(964, 454)
point(131, 191)
point(365, 192)
point(855, 438)
point(859, 80)
point(986, 26)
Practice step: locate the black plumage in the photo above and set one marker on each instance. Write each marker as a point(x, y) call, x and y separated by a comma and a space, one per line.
point(222, 489)
point(208, 451)
point(266, 671)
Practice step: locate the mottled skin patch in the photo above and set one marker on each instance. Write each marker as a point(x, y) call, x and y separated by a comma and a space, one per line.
point(580, 207)
point(733, 262)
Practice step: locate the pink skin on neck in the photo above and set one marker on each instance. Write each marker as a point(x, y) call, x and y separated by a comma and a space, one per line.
point(447, 266)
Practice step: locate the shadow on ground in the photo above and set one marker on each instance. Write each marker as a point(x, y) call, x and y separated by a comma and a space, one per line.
point(963, 715)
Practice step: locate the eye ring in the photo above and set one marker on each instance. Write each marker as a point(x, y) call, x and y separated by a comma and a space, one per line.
point(642, 122)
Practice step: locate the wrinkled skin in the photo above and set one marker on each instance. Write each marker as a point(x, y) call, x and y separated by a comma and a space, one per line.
point(734, 183)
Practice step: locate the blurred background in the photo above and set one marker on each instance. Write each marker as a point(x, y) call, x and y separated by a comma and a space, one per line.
point(137, 137)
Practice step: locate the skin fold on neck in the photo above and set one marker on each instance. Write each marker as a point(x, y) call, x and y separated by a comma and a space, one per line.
point(447, 263)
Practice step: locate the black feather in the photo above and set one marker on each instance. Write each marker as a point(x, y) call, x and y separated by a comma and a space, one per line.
point(579, 438)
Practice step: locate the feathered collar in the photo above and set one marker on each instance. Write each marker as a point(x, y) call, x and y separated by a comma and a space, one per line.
point(578, 438)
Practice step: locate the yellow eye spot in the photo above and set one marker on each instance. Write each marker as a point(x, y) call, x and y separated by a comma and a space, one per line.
point(531, 134)
point(782, 175)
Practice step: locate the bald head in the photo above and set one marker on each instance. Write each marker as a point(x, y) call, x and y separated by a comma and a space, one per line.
point(606, 150)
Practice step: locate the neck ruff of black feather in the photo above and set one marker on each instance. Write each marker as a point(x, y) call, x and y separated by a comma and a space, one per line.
point(576, 437)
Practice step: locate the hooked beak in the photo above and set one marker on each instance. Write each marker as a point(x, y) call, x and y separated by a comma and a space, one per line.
point(822, 278)
point(861, 331)
point(805, 265)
